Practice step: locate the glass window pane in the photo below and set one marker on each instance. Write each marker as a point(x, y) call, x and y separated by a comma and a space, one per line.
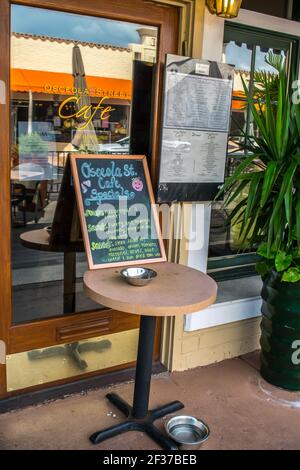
point(239, 55)
point(264, 57)
point(224, 238)
point(261, 55)
point(71, 87)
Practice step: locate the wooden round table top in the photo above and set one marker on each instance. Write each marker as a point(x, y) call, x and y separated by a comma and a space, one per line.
point(40, 240)
point(176, 290)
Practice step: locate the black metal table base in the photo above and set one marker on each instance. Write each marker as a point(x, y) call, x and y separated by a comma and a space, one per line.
point(139, 417)
point(138, 424)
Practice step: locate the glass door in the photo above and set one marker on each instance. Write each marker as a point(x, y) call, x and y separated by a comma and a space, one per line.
point(70, 92)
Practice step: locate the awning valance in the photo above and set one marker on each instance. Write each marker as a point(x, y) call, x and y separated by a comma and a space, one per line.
point(56, 83)
point(239, 102)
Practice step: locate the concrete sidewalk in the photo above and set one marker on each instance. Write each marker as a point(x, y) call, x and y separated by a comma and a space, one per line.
point(241, 409)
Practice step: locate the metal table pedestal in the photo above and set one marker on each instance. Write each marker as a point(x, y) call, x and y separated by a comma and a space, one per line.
point(138, 416)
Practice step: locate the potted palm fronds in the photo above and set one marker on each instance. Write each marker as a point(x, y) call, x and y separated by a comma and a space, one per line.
point(265, 186)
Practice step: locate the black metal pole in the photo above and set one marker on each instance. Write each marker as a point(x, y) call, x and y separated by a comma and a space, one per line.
point(139, 418)
point(143, 367)
point(69, 281)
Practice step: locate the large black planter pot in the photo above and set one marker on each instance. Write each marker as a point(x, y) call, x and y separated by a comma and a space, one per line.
point(280, 330)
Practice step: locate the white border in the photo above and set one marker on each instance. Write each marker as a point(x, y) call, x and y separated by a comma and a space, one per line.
point(223, 313)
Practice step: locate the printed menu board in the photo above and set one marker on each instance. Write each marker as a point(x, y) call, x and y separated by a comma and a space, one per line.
point(116, 206)
point(196, 121)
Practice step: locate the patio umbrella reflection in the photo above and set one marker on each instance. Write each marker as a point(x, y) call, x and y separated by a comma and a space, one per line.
point(84, 139)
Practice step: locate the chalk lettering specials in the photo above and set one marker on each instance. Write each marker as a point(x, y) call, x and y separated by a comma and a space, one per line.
point(108, 181)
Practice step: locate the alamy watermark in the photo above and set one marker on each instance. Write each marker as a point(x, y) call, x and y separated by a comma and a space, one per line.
point(296, 92)
point(140, 221)
point(296, 353)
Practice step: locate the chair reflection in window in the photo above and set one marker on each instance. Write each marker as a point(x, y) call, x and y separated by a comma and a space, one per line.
point(28, 200)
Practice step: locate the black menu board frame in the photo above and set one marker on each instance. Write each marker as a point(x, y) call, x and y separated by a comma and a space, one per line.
point(195, 127)
point(83, 187)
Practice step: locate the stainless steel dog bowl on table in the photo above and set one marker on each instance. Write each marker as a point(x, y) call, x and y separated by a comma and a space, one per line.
point(138, 276)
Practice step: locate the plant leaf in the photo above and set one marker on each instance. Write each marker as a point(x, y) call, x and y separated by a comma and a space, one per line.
point(269, 179)
point(263, 251)
point(262, 268)
point(298, 220)
point(283, 261)
point(291, 275)
point(288, 175)
point(232, 179)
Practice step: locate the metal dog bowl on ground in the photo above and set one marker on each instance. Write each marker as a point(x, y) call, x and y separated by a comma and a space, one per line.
point(138, 276)
point(187, 430)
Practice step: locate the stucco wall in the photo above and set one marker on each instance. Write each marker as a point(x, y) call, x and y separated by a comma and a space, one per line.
point(211, 345)
point(52, 56)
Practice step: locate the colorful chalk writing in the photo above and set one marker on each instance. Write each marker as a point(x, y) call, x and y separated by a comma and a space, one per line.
point(116, 208)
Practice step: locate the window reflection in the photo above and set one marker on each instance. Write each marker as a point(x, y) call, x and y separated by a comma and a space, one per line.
point(239, 55)
point(71, 90)
point(40, 366)
point(249, 59)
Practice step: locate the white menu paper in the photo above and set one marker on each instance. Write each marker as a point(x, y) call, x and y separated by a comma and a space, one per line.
point(197, 102)
point(193, 156)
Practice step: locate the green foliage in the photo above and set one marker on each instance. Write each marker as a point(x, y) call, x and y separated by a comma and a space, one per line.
point(282, 261)
point(269, 218)
point(291, 275)
point(263, 78)
point(32, 144)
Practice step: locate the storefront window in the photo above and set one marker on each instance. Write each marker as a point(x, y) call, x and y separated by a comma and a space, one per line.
point(247, 51)
point(71, 91)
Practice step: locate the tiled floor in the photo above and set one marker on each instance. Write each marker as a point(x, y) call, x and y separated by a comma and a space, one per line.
point(242, 410)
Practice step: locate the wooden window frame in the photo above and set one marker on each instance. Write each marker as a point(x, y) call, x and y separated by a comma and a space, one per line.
point(189, 42)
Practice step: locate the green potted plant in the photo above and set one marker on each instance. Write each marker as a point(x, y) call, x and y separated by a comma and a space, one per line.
point(265, 186)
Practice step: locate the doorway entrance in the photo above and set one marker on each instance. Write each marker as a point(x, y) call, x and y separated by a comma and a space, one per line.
point(71, 77)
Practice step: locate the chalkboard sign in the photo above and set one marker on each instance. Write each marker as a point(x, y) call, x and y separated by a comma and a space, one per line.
point(117, 212)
